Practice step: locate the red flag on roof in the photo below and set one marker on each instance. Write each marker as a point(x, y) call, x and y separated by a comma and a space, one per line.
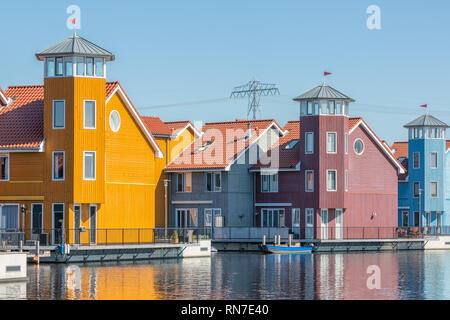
point(326, 73)
point(424, 106)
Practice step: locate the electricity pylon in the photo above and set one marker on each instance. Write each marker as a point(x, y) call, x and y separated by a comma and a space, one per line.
point(254, 90)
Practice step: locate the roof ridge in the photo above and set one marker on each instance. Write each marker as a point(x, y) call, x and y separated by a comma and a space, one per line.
point(240, 121)
point(27, 86)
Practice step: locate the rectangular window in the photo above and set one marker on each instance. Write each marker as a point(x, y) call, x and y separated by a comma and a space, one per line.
point(303, 108)
point(58, 165)
point(310, 108)
point(346, 143)
point(405, 222)
point(324, 108)
point(309, 180)
point(89, 114)
point(433, 189)
point(89, 165)
point(416, 160)
point(89, 66)
point(59, 114)
point(309, 216)
point(346, 180)
point(331, 108)
point(59, 67)
point(309, 146)
point(416, 187)
point(269, 182)
point(296, 217)
point(68, 66)
point(80, 66)
point(4, 167)
point(99, 67)
point(433, 160)
point(213, 182)
point(339, 108)
point(416, 219)
point(331, 180)
point(331, 142)
point(50, 67)
point(36, 218)
point(207, 218)
point(184, 181)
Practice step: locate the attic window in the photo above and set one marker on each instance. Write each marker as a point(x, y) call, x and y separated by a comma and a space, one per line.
point(291, 144)
point(401, 159)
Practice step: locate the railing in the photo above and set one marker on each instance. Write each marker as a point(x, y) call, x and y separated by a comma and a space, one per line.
point(111, 236)
point(249, 233)
point(362, 233)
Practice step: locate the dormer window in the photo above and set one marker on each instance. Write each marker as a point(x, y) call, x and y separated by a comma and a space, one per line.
point(291, 144)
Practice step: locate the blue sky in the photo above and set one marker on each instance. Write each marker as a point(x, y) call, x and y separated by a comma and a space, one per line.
point(171, 53)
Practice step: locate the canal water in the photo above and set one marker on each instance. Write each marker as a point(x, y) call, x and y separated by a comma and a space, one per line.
point(392, 275)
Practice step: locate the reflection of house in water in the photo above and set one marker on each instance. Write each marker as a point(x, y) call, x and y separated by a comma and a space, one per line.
point(435, 264)
point(344, 276)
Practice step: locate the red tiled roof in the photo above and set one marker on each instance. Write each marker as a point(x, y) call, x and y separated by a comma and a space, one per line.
point(402, 176)
point(352, 122)
point(227, 141)
point(177, 126)
point(21, 123)
point(400, 149)
point(156, 126)
point(288, 158)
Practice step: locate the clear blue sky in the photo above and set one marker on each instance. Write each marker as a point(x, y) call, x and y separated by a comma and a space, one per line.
point(174, 52)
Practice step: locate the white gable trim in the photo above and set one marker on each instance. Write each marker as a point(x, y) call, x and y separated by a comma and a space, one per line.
point(380, 143)
point(4, 99)
point(194, 129)
point(148, 136)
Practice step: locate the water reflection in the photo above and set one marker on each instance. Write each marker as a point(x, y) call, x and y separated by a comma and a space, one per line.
point(404, 275)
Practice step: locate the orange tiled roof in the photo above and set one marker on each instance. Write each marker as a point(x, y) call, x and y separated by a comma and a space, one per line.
point(352, 122)
point(400, 149)
point(156, 126)
point(227, 140)
point(288, 158)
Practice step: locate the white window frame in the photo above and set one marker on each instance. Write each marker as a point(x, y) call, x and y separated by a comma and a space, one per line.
point(363, 146)
point(53, 219)
point(8, 165)
point(346, 180)
point(213, 182)
point(306, 142)
point(42, 216)
point(294, 212)
point(437, 160)
point(84, 166)
point(74, 221)
point(335, 176)
point(270, 189)
point(96, 223)
point(270, 224)
point(177, 224)
point(306, 181)
point(346, 143)
point(183, 174)
point(335, 140)
point(84, 115)
point(53, 165)
point(418, 190)
point(403, 220)
point(53, 114)
point(437, 190)
point(418, 161)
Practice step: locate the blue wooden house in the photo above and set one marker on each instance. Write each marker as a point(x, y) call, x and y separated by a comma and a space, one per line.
point(424, 195)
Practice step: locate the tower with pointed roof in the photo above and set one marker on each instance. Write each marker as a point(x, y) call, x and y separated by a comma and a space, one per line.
point(422, 192)
point(324, 158)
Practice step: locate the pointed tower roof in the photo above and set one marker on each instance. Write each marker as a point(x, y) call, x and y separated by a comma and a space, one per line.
point(426, 120)
point(75, 45)
point(323, 91)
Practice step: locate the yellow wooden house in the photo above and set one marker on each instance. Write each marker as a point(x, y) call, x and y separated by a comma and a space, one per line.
point(78, 163)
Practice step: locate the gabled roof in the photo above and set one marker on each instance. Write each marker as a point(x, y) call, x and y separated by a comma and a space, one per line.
point(289, 158)
point(75, 46)
point(323, 91)
point(221, 144)
point(426, 120)
point(178, 127)
point(22, 124)
point(156, 126)
point(400, 149)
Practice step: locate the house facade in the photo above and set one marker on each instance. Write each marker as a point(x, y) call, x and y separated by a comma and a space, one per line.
point(210, 182)
point(422, 190)
point(345, 185)
point(75, 153)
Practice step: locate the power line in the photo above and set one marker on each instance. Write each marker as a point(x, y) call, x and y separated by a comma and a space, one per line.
point(179, 104)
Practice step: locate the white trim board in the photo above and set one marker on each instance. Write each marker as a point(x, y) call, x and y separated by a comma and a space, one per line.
point(273, 204)
point(193, 202)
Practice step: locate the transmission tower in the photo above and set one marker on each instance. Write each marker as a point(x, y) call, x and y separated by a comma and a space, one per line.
point(254, 90)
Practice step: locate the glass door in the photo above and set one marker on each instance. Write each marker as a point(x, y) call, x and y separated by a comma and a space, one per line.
point(339, 232)
point(324, 224)
point(77, 223)
point(93, 224)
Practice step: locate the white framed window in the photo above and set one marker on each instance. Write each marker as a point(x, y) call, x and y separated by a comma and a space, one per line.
point(309, 181)
point(272, 218)
point(89, 165)
point(184, 182)
point(89, 114)
point(309, 142)
point(80, 66)
point(331, 107)
point(99, 65)
point(68, 66)
point(358, 146)
point(433, 160)
point(59, 67)
point(37, 218)
point(58, 223)
point(58, 165)
point(346, 143)
point(331, 180)
point(296, 217)
point(186, 218)
point(310, 109)
point(213, 181)
point(433, 189)
point(89, 66)
point(338, 108)
point(114, 121)
point(405, 218)
point(59, 121)
point(50, 67)
point(416, 160)
point(331, 142)
point(4, 167)
point(212, 215)
point(269, 182)
point(346, 180)
point(416, 187)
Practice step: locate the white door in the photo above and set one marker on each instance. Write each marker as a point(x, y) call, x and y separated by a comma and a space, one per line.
point(309, 223)
point(339, 228)
point(324, 224)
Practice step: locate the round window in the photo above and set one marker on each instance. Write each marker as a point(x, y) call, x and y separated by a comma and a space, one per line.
point(114, 121)
point(358, 146)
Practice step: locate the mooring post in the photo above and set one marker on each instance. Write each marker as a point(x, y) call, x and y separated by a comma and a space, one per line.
point(290, 240)
point(264, 240)
point(275, 240)
point(279, 240)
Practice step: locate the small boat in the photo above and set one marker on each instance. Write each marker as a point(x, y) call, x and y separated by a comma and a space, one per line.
point(285, 249)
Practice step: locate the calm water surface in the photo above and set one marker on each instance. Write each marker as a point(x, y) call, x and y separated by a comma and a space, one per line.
point(404, 275)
